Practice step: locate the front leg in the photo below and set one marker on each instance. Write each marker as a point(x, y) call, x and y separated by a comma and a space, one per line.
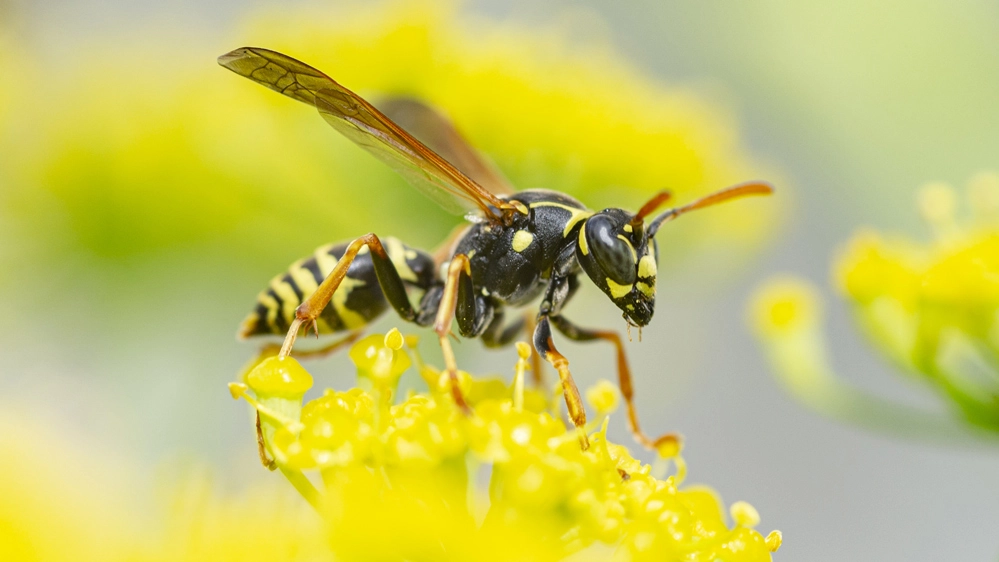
point(576, 333)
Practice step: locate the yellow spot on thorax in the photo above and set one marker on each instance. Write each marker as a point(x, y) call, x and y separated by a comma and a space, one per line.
point(617, 291)
point(521, 240)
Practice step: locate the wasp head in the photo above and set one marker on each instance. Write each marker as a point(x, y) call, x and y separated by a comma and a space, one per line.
point(618, 250)
point(618, 255)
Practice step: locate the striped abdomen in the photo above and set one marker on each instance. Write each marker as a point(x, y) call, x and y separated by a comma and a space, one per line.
point(357, 301)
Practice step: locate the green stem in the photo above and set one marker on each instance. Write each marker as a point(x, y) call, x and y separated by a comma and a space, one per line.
point(801, 363)
point(303, 485)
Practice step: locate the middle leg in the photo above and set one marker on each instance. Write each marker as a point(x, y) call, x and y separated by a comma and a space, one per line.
point(474, 314)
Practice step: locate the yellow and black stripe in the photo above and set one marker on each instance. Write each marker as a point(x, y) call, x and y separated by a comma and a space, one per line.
point(357, 301)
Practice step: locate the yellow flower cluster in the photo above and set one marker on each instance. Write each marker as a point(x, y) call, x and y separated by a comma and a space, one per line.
point(402, 480)
point(932, 308)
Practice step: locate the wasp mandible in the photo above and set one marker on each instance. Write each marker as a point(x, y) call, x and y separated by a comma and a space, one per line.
point(519, 245)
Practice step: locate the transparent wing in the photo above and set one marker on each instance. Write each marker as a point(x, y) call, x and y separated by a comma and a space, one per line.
point(433, 129)
point(359, 121)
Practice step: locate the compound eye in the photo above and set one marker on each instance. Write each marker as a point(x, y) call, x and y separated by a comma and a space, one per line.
point(614, 254)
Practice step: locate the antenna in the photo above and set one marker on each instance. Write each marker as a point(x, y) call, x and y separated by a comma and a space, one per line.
point(741, 190)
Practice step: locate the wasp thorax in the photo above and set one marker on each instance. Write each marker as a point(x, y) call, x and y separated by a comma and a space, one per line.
point(617, 255)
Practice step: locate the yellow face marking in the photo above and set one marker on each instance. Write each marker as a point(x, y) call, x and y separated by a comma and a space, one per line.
point(575, 216)
point(617, 291)
point(582, 242)
point(647, 290)
point(634, 255)
point(521, 240)
point(647, 266)
point(627, 228)
point(397, 254)
point(350, 318)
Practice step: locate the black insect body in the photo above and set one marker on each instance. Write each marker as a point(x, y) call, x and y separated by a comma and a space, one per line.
point(522, 246)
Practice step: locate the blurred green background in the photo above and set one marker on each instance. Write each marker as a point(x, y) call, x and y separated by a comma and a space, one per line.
point(146, 195)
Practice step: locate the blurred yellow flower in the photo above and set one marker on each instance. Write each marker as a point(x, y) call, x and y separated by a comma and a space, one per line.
point(401, 480)
point(128, 152)
point(62, 502)
point(552, 112)
point(932, 308)
point(785, 305)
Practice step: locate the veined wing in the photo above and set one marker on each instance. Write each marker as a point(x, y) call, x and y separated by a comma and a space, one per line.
point(359, 121)
point(436, 131)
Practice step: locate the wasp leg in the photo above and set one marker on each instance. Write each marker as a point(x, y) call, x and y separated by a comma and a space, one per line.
point(328, 349)
point(458, 299)
point(576, 333)
point(537, 374)
point(388, 279)
point(262, 448)
point(496, 335)
point(546, 348)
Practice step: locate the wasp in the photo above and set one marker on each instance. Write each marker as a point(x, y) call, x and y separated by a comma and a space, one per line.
point(518, 247)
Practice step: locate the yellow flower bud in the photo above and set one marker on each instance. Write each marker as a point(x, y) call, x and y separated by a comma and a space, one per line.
point(279, 377)
point(774, 540)
point(602, 397)
point(983, 195)
point(784, 305)
point(938, 203)
point(381, 358)
point(744, 515)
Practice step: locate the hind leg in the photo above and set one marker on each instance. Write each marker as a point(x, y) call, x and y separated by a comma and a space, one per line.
point(387, 276)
